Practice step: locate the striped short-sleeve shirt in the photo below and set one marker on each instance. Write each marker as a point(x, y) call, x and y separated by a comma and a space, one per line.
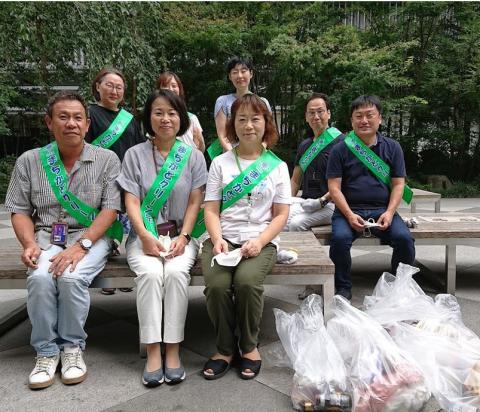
point(92, 180)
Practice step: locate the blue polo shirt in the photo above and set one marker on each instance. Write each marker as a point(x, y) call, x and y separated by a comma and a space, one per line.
point(314, 182)
point(361, 188)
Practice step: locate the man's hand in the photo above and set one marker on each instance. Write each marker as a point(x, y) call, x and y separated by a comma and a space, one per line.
point(356, 222)
point(385, 220)
point(311, 205)
point(251, 248)
point(69, 257)
point(30, 256)
point(151, 246)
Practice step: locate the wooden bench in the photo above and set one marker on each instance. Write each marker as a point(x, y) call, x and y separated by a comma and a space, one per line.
point(423, 195)
point(446, 229)
point(313, 267)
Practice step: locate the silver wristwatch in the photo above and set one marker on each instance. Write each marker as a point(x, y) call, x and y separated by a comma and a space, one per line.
point(85, 243)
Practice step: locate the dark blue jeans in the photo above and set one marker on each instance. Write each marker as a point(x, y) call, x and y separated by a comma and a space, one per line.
point(397, 236)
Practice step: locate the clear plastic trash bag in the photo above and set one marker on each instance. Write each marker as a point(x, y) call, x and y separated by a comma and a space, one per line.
point(452, 373)
point(384, 378)
point(320, 380)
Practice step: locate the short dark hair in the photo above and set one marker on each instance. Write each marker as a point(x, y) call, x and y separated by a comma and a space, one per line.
point(165, 78)
point(366, 101)
point(99, 77)
point(65, 95)
point(175, 101)
point(316, 95)
point(243, 61)
point(258, 105)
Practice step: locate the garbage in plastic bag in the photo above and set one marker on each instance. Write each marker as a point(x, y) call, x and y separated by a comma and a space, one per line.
point(384, 378)
point(433, 333)
point(320, 381)
point(451, 373)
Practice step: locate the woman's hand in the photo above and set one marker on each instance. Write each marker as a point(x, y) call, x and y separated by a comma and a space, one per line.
point(151, 246)
point(252, 248)
point(178, 247)
point(220, 246)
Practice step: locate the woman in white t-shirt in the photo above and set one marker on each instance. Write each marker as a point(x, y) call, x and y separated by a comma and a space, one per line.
point(250, 225)
point(193, 136)
point(240, 72)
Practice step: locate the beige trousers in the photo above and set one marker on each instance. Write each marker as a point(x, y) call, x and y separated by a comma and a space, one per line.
point(162, 292)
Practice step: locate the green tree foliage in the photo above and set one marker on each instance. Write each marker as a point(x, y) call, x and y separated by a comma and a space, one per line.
point(421, 58)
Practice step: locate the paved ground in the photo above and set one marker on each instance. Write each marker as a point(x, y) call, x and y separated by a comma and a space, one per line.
point(114, 365)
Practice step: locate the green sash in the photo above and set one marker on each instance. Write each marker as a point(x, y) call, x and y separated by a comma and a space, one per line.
point(375, 164)
point(215, 149)
point(241, 186)
point(320, 143)
point(115, 130)
point(162, 186)
point(58, 179)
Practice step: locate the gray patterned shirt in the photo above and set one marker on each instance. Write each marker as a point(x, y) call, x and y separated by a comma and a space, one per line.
point(92, 180)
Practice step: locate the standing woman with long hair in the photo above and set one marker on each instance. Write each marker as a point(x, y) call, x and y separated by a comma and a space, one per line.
point(193, 136)
point(246, 206)
point(240, 73)
point(111, 126)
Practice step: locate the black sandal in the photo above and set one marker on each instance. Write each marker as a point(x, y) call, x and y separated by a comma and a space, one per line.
point(253, 365)
point(219, 368)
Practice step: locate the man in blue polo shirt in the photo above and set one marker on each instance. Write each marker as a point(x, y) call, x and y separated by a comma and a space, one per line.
point(360, 196)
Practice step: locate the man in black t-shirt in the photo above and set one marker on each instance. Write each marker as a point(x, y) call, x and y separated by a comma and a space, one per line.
point(313, 208)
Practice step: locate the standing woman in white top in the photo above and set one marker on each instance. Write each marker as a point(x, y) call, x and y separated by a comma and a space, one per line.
point(193, 136)
point(251, 225)
point(240, 73)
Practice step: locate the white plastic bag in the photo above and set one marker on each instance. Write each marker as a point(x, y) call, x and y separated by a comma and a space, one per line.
point(320, 379)
point(383, 377)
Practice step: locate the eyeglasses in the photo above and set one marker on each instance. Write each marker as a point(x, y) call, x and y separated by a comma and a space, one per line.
point(312, 113)
point(111, 86)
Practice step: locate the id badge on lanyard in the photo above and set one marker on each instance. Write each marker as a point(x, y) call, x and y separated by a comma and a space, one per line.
point(59, 231)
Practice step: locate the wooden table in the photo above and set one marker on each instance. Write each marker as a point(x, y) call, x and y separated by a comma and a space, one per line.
point(423, 195)
point(445, 229)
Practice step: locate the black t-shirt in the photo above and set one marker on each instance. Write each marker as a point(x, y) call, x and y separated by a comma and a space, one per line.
point(361, 188)
point(101, 118)
point(314, 182)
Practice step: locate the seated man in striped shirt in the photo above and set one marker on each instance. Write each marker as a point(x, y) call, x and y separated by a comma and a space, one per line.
point(64, 201)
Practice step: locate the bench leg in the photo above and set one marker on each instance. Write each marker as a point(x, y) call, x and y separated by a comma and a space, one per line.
point(413, 207)
point(328, 292)
point(451, 268)
point(437, 206)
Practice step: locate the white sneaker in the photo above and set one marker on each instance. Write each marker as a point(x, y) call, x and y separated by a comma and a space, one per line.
point(43, 374)
point(74, 369)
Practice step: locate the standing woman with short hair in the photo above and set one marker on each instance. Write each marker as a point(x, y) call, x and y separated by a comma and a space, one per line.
point(163, 180)
point(111, 126)
point(240, 73)
point(193, 136)
point(246, 206)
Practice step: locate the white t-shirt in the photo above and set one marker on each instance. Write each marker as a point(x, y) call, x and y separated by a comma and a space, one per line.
point(240, 221)
point(187, 138)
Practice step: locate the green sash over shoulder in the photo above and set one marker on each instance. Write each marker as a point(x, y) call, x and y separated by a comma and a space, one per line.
point(241, 186)
point(320, 143)
point(162, 186)
point(115, 130)
point(58, 179)
point(215, 149)
point(374, 163)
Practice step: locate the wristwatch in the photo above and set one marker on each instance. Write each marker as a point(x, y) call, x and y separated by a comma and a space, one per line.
point(86, 244)
point(187, 236)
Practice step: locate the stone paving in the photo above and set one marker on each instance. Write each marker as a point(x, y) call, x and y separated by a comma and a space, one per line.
point(115, 367)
